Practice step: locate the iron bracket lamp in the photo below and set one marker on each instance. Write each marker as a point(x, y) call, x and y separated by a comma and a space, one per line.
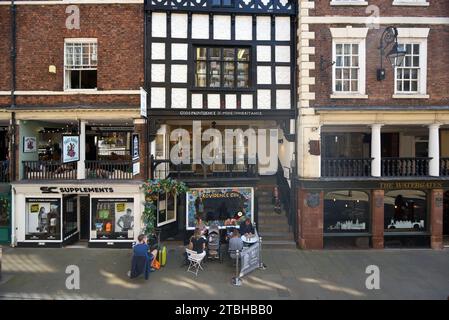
point(396, 54)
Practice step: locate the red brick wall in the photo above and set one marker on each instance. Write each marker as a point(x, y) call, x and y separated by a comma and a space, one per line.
point(437, 8)
point(40, 42)
point(380, 92)
point(5, 43)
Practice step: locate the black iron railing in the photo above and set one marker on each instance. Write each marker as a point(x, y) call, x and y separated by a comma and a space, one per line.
point(49, 170)
point(405, 167)
point(4, 173)
point(163, 168)
point(346, 167)
point(111, 170)
point(444, 166)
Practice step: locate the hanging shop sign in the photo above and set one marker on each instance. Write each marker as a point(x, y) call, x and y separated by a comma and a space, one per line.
point(43, 219)
point(143, 103)
point(135, 146)
point(70, 149)
point(29, 144)
point(112, 219)
point(225, 207)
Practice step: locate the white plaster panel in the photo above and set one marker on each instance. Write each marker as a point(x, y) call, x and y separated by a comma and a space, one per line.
point(222, 27)
point(157, 98)
point(200, 26)
point(231, 101)
point(264, 53)
point(213, 101)
point(263, 75)
point(159, 24)
point(179, 98)
point(179, 73)
point(158, 72)
point(246, 101)
point(179, 25)
point(263, 31)
point(243, 28)
point(282, 75)
point(282, 26)
point(283, 100)
point(197, 101)
point(179, 51)
point(263, 99)
point(282, 54)
point(158, 51)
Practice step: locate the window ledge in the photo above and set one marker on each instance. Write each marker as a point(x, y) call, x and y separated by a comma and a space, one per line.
point(349, 96)
point(349, 3)
point(410, 4)
point(411, 96)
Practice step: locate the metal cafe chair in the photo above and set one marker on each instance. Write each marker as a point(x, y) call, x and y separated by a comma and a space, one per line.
point(195, 260)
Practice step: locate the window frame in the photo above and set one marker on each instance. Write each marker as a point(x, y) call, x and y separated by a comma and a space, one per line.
point(361, 90)
point(175, 216)
point(235, 62)
point(422, 70)
point(415, 3)
point(348, 2)
point(66, 80)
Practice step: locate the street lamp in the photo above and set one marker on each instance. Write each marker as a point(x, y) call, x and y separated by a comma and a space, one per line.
point(395, 56)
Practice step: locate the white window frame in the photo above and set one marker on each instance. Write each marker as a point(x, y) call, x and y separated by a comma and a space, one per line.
point(414, 3)
point(175, 215)
point(348, 3)
point(77, 40)
point(415, 36)
point(350, 35)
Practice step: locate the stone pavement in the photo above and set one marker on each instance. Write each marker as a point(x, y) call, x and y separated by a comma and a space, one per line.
point(290, 274)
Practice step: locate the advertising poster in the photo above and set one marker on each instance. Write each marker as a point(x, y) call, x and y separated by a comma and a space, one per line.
point(135, 147)
point(226, 207)
point(43, 219)
point(70, 149)
point(29, 144)
point(112, 218)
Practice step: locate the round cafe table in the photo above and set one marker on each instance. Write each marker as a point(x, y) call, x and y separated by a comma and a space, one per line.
point(250, 240)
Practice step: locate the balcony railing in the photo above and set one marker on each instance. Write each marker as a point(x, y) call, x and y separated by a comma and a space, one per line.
point(111, 170)
point(49, 170)
point(444, 166)
point(165, 168)
point(346, 167)
point(4, 173)
point(405, 167)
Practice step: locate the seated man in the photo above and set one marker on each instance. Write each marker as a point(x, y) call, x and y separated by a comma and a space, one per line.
point(141, 261)
point(235, 243)
point(246, 228)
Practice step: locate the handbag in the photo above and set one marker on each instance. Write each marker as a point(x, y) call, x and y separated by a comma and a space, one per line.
point(155, 264)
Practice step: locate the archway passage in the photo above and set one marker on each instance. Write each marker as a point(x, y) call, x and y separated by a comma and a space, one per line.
point(446, 219)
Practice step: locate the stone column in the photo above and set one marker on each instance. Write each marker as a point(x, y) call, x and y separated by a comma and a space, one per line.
point(81, 172)
point(377, 219)
point(436, 219)
point(376, 164)
point(310, 219)
point(434, 150)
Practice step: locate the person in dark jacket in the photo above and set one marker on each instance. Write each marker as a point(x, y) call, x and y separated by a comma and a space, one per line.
point(246, 228)
point(141, 261)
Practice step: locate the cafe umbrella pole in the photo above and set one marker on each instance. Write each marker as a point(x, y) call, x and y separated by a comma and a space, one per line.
point(236, 281)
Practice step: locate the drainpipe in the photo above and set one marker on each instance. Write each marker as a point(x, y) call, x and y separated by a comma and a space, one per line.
point(13, 53)
point(147, 173)
point(13, 220)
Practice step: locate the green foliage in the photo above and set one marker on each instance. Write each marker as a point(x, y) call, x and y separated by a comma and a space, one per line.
point(152, 189)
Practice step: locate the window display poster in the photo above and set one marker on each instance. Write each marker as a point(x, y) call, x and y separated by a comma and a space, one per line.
point(135, 147)
point(226, 207)
point(43, 218)
point(112, 218)
point(29, 144)
point(405, 210)
point(70, 148)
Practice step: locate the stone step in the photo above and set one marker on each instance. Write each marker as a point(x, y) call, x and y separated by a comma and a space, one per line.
point(273, 220)
point(278, 244)
point(276, 235)
point(274, 228)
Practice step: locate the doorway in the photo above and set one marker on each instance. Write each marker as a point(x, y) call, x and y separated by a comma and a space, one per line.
point(70, 219)
point(84, 218)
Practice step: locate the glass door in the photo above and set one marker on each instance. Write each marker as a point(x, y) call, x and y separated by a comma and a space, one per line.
point(70, 218)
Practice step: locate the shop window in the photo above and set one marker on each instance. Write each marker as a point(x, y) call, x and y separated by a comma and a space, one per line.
point(346, 211)
point(80, 64)
point(112, 219)
point(222, 67)
point(113, 146)
point(405, 210)
point(43, 219)
point(166, 209)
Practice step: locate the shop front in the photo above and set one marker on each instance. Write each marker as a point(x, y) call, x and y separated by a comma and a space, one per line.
point(59, 214)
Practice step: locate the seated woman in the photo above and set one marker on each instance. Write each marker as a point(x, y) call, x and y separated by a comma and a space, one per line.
point(141, 261)
point(246, 227)
point(198, 243)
